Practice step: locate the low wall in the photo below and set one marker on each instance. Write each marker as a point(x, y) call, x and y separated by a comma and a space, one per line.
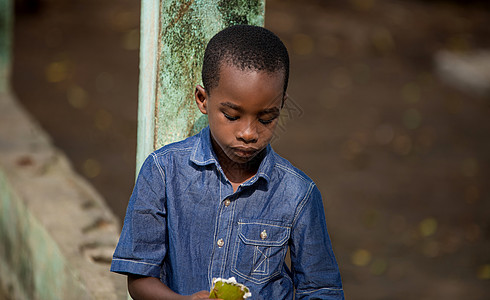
point(57, 235)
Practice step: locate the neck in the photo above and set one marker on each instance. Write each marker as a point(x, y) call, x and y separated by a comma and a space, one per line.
point(238, 173)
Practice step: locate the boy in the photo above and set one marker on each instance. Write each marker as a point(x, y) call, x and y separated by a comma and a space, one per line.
point(222, 203)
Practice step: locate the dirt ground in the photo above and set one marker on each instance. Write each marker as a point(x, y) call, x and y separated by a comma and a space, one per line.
point(402, 159)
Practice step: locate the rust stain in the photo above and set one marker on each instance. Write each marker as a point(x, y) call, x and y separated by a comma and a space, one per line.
point(183, 9)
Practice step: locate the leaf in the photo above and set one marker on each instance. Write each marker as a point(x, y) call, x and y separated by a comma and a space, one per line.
point(229, 290)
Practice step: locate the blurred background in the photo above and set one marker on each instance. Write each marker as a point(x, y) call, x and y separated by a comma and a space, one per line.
point(389, 114)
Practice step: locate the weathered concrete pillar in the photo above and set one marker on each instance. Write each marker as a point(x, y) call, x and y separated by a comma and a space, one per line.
point(174, 34)
point(57, 235)
point(6, 16)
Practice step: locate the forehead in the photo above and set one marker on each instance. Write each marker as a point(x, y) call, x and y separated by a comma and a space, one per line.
point(228, 63)
point(249, 87)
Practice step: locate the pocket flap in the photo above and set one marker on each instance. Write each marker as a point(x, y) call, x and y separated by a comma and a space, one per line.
point(263, 233)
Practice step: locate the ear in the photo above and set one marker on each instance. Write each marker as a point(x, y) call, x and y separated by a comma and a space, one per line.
point(201, 99)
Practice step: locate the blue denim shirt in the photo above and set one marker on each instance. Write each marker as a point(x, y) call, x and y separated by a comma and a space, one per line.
point(186, 226)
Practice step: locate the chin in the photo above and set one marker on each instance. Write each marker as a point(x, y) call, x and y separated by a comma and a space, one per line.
point(241, 160)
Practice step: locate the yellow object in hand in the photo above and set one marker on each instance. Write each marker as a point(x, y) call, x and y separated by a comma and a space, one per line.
point(229, 289)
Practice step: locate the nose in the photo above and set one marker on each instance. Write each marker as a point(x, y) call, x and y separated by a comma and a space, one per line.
point(248, 133)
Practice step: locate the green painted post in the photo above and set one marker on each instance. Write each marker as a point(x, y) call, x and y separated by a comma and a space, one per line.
point(174, 34)
point(6, 15)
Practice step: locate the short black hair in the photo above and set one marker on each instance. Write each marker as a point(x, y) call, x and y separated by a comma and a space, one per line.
point(245, 47)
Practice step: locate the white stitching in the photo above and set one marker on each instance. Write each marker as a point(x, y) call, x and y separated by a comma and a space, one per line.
point(302, 204)
point(263, 277)
point(216, 225)
point(136, 262)
point(257, 223)
point(293, 172)
point(262, 261)
point(166, 151)
point(195, 159)
point(160, 169)
point(312, 291)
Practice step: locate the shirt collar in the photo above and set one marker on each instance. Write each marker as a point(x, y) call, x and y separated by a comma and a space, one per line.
point(203, 154)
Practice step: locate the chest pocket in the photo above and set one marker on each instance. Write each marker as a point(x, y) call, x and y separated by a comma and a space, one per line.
point(260, 249)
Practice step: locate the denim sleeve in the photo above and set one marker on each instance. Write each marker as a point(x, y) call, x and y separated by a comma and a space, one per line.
point(142, 244)
point(315, 270)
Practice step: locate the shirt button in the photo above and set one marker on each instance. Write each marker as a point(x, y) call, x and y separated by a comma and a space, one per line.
point(263, 235)
point(227, 202)
point(221, 243)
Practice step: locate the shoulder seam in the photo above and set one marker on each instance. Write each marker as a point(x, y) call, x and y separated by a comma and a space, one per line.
point(303, 202)
point(160, 169)
point(166, 151)
point(292, 172)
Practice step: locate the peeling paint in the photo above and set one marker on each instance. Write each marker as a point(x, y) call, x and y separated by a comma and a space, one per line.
point(6, 16)
point(185, 29)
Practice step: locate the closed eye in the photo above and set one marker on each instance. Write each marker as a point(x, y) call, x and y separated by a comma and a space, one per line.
point(230, 117)
point(268, 121)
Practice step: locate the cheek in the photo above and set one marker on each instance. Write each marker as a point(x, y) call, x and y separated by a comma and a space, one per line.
point(221, 133)
point(268, 131)
point(215, 122)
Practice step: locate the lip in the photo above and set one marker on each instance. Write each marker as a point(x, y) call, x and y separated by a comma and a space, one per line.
point(244, 152)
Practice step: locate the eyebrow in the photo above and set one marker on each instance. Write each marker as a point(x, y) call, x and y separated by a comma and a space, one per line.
point(273, 110)
point(232, 106)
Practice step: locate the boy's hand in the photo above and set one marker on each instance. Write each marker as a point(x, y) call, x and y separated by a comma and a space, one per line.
point(200, 295)
point(141, 287)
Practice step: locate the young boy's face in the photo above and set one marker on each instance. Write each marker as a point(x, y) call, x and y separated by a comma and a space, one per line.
point(243, 110)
